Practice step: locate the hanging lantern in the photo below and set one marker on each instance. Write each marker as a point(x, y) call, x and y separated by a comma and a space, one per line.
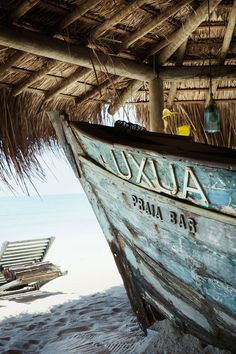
point(211, 112)
point(212, 117)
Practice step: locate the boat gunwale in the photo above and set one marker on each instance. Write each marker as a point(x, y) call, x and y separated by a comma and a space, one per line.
point(217, 159)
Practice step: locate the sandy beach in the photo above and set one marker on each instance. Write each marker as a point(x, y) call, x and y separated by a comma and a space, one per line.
point(100, 323)
point(76, 314)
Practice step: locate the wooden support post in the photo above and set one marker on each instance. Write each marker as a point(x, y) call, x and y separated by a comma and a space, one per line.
point(156, 99)
point(178, 37)
point(225, 46)
point(124, 96)
point(22, 9)
point(119, 16)
point(157, 21)
point(179, 60)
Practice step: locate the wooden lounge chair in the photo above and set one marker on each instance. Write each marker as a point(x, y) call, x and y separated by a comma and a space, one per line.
point(22, 268)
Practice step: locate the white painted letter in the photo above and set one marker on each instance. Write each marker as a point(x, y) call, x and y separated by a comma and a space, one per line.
point(141, 173)
point(172, 191)
point(129, 174)
point(194, 189)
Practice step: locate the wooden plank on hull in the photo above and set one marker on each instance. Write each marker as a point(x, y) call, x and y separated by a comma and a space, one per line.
point(110, 233)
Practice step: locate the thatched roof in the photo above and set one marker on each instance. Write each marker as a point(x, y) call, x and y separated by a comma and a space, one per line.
point(87, 57)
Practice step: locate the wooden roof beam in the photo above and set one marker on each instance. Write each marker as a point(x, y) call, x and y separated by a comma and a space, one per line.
point(116, 18)
point(42, 45)
point(157, 21)
point(175, 74)
point(57, 89)
point(76, 14)
point(225, 46)
point(185, 101)
point(179, 73)
point(179, 61)
point(22, 9)
point(178, 37)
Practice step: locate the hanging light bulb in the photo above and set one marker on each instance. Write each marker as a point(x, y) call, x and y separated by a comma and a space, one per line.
point(211, 112)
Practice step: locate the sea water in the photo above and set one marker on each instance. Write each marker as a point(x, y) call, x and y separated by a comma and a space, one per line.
point(79, 245)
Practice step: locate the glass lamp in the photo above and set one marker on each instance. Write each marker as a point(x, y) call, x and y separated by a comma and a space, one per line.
point(212, 117)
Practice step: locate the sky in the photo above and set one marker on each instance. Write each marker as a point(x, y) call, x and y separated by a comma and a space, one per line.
point(59, 178)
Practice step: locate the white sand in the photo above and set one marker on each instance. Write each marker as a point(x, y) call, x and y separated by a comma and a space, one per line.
point(101, 323)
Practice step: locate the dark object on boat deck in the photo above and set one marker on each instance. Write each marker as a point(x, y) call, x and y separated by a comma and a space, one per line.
point(22, 268)
point(128, 127)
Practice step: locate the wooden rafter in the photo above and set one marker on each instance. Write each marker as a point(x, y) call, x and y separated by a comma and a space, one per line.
point(116, 18)
point(11, 60)
point(225, 46)
point(94, 91)
point(22, 9)
point(76, 14)
point(124, 96)
point(72, 17)
point(157, 21)
point(56, 90)
point(69, 19)
point(179, 60)
point(34, 77)
point(177, 38)
point(70, 96)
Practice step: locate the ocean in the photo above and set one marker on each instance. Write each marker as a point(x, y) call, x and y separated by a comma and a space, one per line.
point(79, 245)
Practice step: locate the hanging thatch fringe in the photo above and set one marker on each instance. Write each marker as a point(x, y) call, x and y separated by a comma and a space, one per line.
point(25, 132)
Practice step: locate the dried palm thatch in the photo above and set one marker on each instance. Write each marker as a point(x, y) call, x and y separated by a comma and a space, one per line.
point(83, 56)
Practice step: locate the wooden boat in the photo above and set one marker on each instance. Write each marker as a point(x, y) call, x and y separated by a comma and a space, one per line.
point(167, 208)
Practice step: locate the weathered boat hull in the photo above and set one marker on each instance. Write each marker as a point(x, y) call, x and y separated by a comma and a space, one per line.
point(176, 259)
point(171, 269)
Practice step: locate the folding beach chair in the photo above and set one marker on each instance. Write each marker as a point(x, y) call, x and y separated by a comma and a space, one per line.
point(22, 268)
